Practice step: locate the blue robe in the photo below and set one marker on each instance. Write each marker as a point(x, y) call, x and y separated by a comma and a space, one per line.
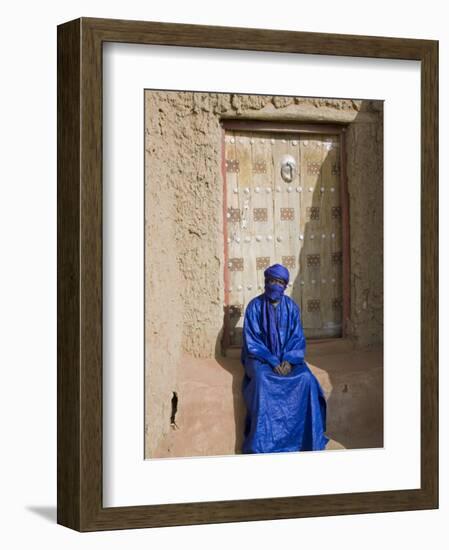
point(284, 413)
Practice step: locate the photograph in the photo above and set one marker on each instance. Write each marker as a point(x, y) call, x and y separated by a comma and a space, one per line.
point(263, 283)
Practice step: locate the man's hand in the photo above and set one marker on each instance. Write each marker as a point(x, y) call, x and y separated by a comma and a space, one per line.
point(283, 369)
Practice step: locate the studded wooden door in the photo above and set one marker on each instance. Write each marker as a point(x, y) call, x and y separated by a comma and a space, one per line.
point(283, 205)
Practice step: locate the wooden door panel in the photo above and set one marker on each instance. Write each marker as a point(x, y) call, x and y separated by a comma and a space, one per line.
point(235, 265)
point(334, 257)
point(244, 154)
point(293, 221)
point(262, 208)
point(296, 197)
point(311, 253)
point(283, 209)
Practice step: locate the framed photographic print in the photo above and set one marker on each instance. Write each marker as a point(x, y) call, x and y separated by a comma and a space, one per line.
point(247, 274)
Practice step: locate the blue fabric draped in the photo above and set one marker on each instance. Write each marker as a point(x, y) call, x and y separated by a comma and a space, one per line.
point(284, 413)
point(269, 324)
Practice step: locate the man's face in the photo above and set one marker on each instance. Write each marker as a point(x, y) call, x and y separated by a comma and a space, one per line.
point(275, 281)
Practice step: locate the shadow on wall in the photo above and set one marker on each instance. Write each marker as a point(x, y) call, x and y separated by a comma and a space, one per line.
point(235, 369)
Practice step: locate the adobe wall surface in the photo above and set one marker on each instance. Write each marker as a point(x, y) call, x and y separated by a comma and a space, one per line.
point(184, 245)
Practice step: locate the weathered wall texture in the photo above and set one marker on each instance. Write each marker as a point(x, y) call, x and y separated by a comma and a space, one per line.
point(184, 228)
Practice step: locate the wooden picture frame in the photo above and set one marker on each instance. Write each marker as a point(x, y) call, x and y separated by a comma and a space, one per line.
point(79, 221)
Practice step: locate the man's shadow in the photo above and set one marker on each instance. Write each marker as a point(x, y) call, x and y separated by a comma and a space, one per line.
point(231, 363)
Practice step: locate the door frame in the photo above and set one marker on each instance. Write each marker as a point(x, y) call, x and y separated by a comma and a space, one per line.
point(289, 126)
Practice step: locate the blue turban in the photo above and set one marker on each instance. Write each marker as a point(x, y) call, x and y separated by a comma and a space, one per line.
point(277, 271)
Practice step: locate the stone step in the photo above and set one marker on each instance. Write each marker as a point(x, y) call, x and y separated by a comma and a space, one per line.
point(210, 410)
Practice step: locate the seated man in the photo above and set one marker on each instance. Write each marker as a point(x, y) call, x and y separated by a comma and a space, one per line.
point(286, 408)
